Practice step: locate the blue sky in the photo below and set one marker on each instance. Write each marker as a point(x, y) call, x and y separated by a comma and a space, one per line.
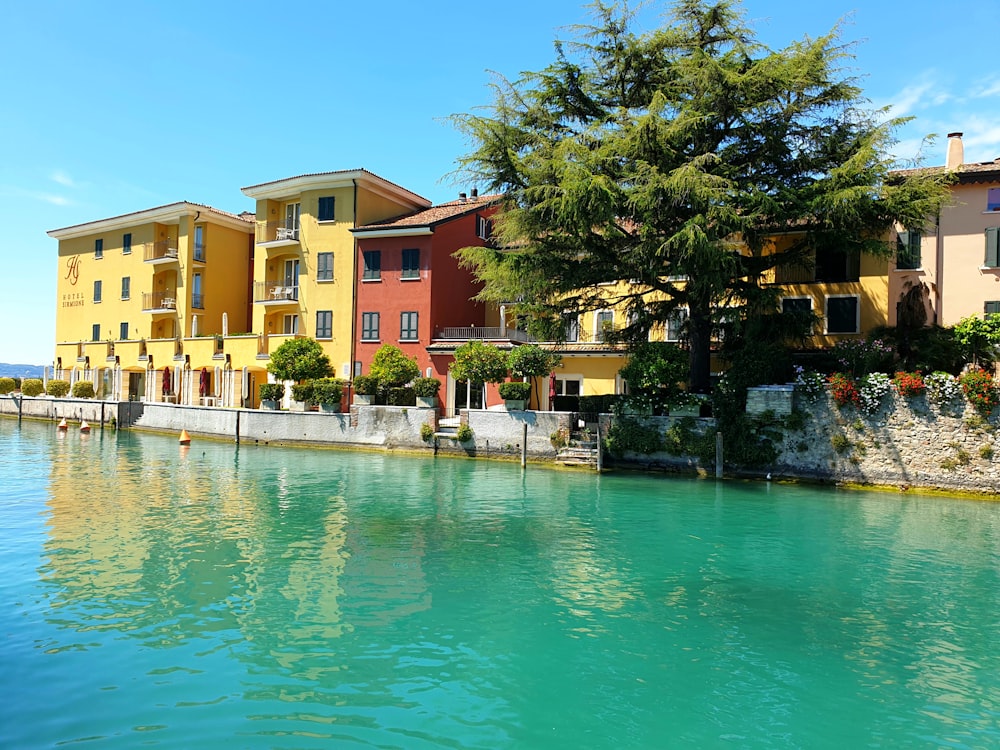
point(114, 107)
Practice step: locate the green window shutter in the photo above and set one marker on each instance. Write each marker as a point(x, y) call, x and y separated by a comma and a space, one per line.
point(992, 247)
point(992, 308)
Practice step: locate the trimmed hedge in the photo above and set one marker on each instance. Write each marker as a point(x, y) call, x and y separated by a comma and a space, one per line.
point(83, 389)
point(272, 391)
point(58, 388)
point(32, 387)
point(7, 385)
point(515, 391)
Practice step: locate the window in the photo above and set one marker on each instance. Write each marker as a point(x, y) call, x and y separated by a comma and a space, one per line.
point(675, 324)
point(324, 266)
point(571, 327)
point(95, 332)
point(326, 206)
point(369, 326)
point(411, 264)
point(842, 314)
point(373, 265)
point(992, 247)
point(604, 322)
point(199, 243)
point(98, 249)
point(197, 300)
point(484, 228)
point(993, 199)
point(97, 291)
point(127, 244)
point(292, 214)
point(123, 331)
point(290, 325)
point(569, 386)
point(324, 324)
point(837, 265)
point(796, 305)
point(408, 326)
point(126, 286)
point(908, 249)
point(992, 308)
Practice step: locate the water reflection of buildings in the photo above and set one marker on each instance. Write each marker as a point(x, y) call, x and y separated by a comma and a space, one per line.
point(169, 544)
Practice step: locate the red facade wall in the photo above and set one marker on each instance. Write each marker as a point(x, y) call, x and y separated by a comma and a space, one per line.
point(442, 296)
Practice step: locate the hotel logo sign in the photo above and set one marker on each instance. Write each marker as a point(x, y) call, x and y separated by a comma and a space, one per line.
point(73, 269)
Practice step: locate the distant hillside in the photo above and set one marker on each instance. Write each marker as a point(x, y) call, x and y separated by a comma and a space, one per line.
point(20, 371)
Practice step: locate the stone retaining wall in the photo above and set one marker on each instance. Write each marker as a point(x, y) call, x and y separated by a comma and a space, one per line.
point(909, 443)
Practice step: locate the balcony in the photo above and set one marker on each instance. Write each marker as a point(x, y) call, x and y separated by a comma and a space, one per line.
point(199, 253)
point(276, 234)
point(162, 252)
point(482, 333)
point(275, 293)
point(159, 302)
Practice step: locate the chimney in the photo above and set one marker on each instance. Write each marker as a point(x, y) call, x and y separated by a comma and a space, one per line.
point(956, 152)
point(475, 194)
point(461, 197)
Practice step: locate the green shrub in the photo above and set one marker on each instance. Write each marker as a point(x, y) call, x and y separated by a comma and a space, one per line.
point(392, 368)
point(272, 391)
point(299, 359)
point(403, 396)
point(426, 432)
point(6, 386)
point(58, 388)
point(303, 391)
point(328, 391)
point(426, 387)
point(841, 443)
point(83, 389)
point(32, 387)
point(627, 435)
point(986, 452)
point(515, 391)
point(463, 433)
point(605, 403)
point(366, 385)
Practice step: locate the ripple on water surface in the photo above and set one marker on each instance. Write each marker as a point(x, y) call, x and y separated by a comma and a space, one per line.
point(300, 598)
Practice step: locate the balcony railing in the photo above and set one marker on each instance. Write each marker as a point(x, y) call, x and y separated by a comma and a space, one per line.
point(199, 253)
point(482, 333)
point(162, 250)
point(276, 231)
point(274, 291)
point(198, 301)
point(159, 301)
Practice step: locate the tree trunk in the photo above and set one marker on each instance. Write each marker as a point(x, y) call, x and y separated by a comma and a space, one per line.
point(700, 341)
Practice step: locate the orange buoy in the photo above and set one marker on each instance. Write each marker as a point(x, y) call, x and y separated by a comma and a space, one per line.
point(84, 427)
point(185, 438)
point(63, 425)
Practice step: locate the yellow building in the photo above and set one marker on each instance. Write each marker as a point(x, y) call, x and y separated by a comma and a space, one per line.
point(304, 265)
point(154, 290)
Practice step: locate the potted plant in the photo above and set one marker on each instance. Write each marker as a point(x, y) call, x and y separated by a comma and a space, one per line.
point(515, 395)
point(271, 395)
point(426, 391)
point(302, 396)
point(365, 389)
point(327, 392)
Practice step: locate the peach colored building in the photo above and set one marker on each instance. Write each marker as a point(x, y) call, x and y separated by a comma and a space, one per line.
point(956, 257)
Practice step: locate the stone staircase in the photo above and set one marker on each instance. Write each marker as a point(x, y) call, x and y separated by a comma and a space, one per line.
point(581, 450)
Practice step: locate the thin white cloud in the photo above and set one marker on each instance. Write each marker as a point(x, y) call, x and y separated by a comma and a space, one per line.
point(63, 179)
point(907, 100)
point(989, 89)
point(19, 192)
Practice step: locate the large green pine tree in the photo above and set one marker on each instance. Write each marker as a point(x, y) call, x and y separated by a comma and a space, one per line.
point(655, 157)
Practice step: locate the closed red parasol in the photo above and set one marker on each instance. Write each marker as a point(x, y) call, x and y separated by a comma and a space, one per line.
point(203, 382)
point(166, 381)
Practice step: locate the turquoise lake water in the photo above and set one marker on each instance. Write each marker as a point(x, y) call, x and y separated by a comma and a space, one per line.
point(252, 597)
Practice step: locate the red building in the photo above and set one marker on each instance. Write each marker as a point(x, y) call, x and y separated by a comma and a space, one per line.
point(411, 291)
